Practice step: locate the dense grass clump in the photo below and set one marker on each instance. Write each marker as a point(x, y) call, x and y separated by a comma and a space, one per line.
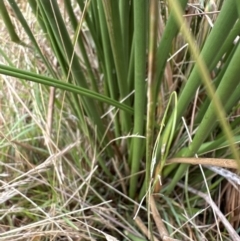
point(119, 120)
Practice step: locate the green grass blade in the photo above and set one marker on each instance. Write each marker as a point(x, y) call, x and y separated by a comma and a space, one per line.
point(112, 14)
point(201, 136)
point(8, 23)
point(165, 44)
point(21, 74)
point(219, 33)
point(140, 28)
point(151, 103)
point(29, 33)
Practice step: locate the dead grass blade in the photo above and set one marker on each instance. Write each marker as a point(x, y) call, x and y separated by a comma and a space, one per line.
point(233, 234)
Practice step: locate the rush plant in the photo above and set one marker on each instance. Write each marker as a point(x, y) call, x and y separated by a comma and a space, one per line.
point(120, 98)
